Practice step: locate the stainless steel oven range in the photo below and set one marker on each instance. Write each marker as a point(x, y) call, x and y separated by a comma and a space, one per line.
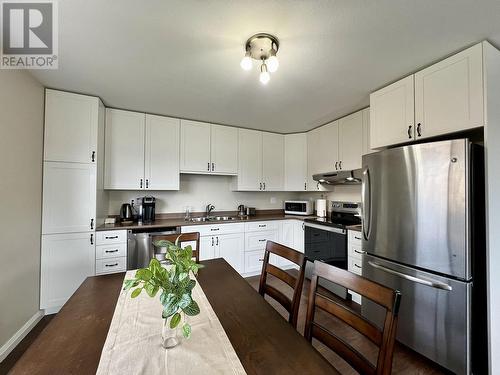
point(326, 239)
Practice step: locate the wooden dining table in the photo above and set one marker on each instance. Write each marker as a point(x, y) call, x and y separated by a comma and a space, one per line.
point(263, 340)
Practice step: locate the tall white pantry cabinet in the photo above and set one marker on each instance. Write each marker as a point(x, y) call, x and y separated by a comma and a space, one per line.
point(73, 193)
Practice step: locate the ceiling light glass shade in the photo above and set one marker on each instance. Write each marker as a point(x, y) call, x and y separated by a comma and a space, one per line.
point(264, 74)
point(246, 62)
point(272, 62)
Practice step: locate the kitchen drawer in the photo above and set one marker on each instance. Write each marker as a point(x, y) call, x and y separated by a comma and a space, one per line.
point(354, 251)
point(110, 265)
point(253, 261)
point(355, 237)
point(262, 225)
point(258, 240)
point(213, 229)
point(111, 237)
point(354, 265)
point(111, 251)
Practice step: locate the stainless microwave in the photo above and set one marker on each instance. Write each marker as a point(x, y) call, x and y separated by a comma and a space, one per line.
point(298, 207)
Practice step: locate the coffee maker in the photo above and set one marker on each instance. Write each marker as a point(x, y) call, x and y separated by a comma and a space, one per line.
point(146, 209)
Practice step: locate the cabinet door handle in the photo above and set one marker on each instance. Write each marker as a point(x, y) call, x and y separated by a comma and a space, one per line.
point(418, 130)
point(91, 223)
point(213, 167)
point(264, 186)
point(409, 131)
point(260, 186)
point(93, 157)
point(261, 259)
point(212, 241)
point(208, 166)
point(147, 183)
point(336, 165)
point(111, 265)
point(305, 185)
point(91, 238)
point(340, 164)
point(217, 239)
point(140, 183)
point(111, 251)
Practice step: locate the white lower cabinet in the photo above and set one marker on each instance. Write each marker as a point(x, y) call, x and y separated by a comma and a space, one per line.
point(111, 252)
point(242, 245)
point(66, 261)
point(354, 258)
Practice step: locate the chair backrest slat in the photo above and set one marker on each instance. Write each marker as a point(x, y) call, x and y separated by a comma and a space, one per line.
point(383, 296)
point(183, 238)
point(291, 305)
point(356, 321)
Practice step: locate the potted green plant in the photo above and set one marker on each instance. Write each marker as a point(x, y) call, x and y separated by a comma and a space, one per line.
point(175, 285)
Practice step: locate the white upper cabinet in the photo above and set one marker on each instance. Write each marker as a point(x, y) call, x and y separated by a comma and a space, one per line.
point(124, 160)
point(350, 141)
point(328, 147)
point(249, 160)
point(195, 147)
point(366, 132)
point(224, 149)
point(449, 94)
point(392, 114)
point(208, 149)
point(296, 162)
point(162, 153)
point(273, 163)
point(313, 158)
point(69, 197)
point(71, 122)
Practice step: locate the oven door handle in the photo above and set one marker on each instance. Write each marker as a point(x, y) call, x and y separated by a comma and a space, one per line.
point(325, 228)
point(429, 282)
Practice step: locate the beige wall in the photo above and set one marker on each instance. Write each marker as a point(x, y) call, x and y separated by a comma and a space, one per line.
point(21, 145)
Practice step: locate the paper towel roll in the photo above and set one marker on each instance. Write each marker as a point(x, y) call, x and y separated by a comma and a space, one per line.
point(321, 207)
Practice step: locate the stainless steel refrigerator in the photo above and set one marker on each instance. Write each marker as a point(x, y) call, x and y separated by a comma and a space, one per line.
point(423, 234)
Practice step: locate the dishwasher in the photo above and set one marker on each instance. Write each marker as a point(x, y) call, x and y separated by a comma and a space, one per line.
point(140, 249)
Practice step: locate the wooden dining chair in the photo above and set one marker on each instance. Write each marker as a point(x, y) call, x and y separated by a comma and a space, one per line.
point(291, 305)
point(183, 238)
point(383, 339)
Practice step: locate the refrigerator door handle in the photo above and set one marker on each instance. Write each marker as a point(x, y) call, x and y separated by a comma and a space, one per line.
point(366, 198)
point(432, 283)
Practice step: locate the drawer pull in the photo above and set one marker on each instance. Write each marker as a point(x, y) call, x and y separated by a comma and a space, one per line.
point(262, 225)
point(111, 251)
point(111, 237)
point(262, 240)
point(359, 252)
point(355, 265)
point(261, 259)
point(111, 265)
point(358, 238)
point(213, 229)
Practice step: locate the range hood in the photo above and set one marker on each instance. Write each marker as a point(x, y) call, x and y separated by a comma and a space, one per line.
point(339, 177)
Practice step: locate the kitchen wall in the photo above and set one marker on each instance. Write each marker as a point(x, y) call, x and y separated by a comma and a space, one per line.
point(196, 191)
point(21, 144)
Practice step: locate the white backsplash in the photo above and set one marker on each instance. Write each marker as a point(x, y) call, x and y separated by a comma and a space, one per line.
point(196, 191)
point(345, 193)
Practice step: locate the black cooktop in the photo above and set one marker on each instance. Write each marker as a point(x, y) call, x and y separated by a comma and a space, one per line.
point(335, 221)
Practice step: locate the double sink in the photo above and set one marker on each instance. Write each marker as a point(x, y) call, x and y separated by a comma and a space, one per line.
point(212, 218)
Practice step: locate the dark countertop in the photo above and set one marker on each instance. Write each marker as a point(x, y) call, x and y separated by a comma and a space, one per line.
point(177, 222)
point(354, 227)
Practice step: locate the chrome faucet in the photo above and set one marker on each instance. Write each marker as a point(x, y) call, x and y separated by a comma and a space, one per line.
point(210, 208)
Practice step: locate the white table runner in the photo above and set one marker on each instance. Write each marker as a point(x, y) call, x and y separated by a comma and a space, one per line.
point(133, 344)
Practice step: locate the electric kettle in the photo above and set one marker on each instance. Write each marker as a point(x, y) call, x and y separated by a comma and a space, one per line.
point(126, 213)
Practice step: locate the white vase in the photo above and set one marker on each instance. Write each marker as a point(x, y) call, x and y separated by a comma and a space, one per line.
point(169, 336)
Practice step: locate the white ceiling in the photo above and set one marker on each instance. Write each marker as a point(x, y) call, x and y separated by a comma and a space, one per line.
point(181, 58)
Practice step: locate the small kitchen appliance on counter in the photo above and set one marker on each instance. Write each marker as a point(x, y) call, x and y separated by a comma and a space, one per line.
point(298, 208)
point(146, 209)
point(251, 211)
point(241, 210)
point(126, 215)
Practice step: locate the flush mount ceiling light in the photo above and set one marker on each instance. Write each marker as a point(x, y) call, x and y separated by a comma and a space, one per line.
point(263, 48)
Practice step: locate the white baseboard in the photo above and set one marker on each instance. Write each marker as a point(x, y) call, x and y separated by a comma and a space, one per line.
point(6, 348)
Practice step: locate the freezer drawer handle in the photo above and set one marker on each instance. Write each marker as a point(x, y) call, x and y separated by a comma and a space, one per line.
point(432, 283)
